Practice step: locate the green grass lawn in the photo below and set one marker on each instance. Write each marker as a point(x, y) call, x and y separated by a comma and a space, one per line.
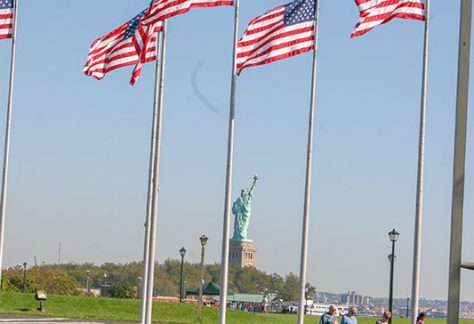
point(90, 308)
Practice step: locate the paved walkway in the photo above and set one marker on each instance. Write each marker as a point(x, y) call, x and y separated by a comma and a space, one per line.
point(42, 320)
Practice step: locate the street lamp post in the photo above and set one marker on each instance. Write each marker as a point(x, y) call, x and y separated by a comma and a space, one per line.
point(184, 284)
point(182, 252)
point(408, 306)
point(203, 240)
point(393, 235)
point(139, 290)
point(24, 276)
point(88, 273)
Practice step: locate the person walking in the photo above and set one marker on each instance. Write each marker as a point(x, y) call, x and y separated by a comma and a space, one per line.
point(265, 304)
point(350, 317)
point(421, 318)
point(330, 317)
point(385, 317)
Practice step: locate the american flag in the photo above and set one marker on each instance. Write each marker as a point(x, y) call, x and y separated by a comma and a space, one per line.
point(377, 12)
point(163, 9)
point(6, 18)
point(282, 32)
point(132, 43)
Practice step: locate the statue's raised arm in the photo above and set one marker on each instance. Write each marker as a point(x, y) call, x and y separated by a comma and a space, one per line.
point(255, 178)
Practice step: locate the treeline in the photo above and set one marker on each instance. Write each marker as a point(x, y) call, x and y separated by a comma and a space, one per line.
point(124, 279)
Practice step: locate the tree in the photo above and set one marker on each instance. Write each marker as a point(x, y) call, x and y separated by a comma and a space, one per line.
point(310, 291)
point(44, 278)
point(122, 289)
point(124, 278)
point(292, 283)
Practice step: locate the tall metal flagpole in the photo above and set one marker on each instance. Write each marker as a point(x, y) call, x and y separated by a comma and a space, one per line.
point(156, 187)
point(309, 167)
point(228, 185)
point(415, 292)
point(6, 155)
point(151, 175)
point(454, 289)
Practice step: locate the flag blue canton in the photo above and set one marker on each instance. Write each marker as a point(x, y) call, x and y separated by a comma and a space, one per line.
point(6, 4)
point(299, 11)
point(132, 25)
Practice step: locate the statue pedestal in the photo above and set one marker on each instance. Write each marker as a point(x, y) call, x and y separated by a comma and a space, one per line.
point(242, 253)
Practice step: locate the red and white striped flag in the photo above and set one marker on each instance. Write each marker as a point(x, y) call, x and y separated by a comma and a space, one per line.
point(378, 12)
point(132, 43)
point(163, 9)
point(280, 33)
point(6, 18)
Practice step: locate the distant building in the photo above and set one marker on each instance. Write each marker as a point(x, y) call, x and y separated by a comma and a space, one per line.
point(105, 291)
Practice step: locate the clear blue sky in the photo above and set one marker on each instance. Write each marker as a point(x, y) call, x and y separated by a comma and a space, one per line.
point(80, 147)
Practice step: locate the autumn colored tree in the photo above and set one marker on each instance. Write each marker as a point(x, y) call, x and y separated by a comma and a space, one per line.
point(41, 278)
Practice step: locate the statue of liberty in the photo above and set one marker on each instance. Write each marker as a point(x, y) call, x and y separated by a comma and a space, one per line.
point(242, 210)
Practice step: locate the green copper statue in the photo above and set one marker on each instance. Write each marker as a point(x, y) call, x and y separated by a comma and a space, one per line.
point(242, 210)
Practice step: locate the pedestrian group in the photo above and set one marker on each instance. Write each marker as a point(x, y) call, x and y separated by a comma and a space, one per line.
point(331, 317)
